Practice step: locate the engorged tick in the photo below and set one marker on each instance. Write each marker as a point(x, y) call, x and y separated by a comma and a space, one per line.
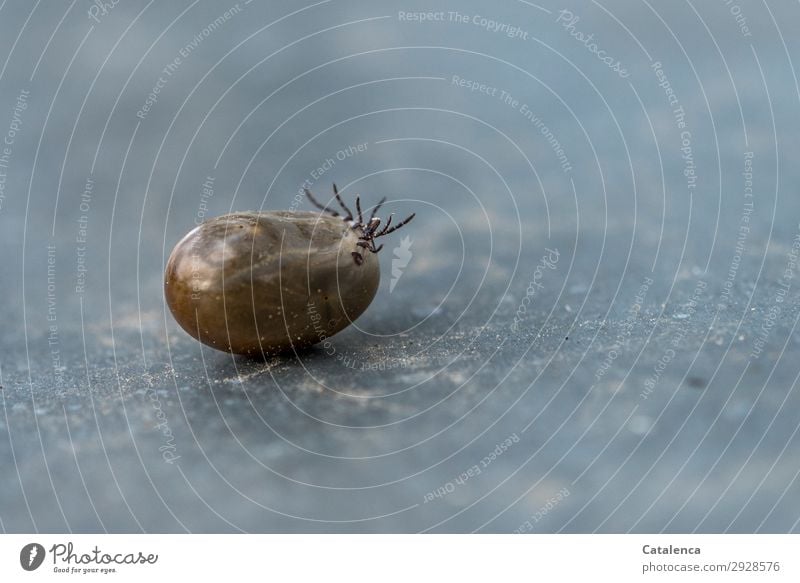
point(266, 282)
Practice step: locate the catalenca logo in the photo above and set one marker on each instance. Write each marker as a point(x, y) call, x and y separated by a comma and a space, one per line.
point(31, 556)
point(402, 256)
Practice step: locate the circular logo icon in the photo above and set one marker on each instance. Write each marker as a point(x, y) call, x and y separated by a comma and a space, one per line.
point(31, 556)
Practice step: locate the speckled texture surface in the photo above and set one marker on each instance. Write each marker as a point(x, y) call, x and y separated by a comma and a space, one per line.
point(609, 345)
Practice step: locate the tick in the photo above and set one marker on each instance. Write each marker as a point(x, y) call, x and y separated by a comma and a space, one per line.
point(266, 282)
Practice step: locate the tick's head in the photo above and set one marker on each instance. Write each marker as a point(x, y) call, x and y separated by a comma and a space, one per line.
point(367, 231)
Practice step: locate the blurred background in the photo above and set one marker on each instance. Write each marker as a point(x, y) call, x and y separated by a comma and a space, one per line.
point(589, 327)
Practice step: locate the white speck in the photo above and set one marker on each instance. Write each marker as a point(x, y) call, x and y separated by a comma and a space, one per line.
point(737, 410)
point(578, 288)
point(458, 377)
point(640, 424)
point(414, 378)
point(680, 316)
point(425, 311)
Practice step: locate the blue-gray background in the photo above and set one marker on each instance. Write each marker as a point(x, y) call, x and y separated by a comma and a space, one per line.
point(643, 381)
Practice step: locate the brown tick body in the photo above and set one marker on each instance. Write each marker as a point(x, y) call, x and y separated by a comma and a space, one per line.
point(266, 282)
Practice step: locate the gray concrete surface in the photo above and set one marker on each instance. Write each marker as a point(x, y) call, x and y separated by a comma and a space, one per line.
point(648, 384)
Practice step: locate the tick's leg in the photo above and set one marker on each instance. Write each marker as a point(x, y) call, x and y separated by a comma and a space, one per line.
point(317, 204)
point(375, 210)
point(372, 226)
point(358, 208)
point(386, 226)
point(393, 229)
point(349, 216)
